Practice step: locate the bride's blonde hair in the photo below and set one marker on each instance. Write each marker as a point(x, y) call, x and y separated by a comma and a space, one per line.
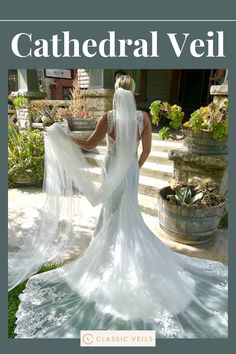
point(126, 82)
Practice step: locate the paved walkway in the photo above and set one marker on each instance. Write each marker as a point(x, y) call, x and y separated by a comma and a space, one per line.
point(24, 207)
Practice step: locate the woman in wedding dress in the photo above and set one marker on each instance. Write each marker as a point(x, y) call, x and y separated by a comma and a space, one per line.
point(127, 278)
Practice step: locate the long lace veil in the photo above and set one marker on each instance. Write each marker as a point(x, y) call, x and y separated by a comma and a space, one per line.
point(67, 176)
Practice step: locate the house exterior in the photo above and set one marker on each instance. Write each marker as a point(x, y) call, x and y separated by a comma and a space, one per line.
point(189, 88)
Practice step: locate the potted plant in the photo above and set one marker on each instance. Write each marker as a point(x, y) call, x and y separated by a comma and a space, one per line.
point(191, 213)
point(206, 132)
point(172, 112)
point(45, 112)
point(20, 102)
point(25, 157)
point(76, 113)
point(22, 112)
point(12, 118)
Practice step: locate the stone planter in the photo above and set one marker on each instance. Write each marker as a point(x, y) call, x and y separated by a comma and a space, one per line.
point(188, 165)
point(188, 224)
point(38, 126)
point(204, 144)
point(23, 119)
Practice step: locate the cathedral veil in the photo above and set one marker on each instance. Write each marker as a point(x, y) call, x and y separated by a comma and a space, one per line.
point(67, 176)
point(127, 278)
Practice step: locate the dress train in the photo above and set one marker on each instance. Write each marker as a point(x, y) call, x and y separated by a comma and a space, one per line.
point(126, 279)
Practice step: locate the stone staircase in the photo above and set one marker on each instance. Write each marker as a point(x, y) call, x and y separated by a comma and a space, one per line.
point(155, 173)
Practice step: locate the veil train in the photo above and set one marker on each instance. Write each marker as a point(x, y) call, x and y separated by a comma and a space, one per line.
point(127, 278)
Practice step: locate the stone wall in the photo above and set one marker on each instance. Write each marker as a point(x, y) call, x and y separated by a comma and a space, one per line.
point(220, 93)
point(188, 165)
point(98, 101)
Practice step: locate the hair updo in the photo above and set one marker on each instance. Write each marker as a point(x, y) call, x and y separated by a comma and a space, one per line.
point(126, 82)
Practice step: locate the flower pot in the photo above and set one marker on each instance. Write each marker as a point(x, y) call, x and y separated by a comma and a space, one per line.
point(81, 124)
point(25, 181)
point(23, 119)
point(204, 144)
point(186, 223)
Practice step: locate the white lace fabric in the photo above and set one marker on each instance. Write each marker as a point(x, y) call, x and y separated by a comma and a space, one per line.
point(127, 283)
point(111, 122)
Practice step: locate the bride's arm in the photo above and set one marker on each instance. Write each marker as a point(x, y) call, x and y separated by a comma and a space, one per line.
point(146, 140)
point(97, 136)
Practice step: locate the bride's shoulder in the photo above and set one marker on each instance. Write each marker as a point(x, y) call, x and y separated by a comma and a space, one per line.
point(110, 113)
point(142, 115)
point(110, 120)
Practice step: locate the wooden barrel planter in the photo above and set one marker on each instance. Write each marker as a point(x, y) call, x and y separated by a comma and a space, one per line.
point(204, 144)
point(188, 224)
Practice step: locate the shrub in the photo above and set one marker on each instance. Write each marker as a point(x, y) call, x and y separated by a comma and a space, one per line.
point(25, 154)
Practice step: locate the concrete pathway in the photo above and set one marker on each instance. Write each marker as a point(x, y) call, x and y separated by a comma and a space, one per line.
point(24, 208)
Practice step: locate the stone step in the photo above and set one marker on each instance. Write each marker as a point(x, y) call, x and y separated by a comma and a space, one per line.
point(147, 185)
point(156, 136)
point(166, 146)
point(159, 157)
point(151, 185)
point(148, 204)
point(154, 156)
point(156, 141)
point(158, 146)
point(150, 169)
point(159, 170)
point(154, 175)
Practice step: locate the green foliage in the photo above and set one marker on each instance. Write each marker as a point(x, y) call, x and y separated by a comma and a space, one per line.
point(220, 131)
point(176, 116)
point(155, 109)
point(205, 191)
point(211, 118)
point(14, 301)
point(195, 122)
point(20, 102)
point(45, 111)
point(25, 154)
point(164, 133)
point(13, 304)
point(173, 112)
point(185, 195)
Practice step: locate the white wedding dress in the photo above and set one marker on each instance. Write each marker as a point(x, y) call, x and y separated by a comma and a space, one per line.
point(126, 279)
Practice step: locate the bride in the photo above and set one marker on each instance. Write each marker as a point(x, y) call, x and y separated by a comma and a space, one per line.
point(127, 278)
